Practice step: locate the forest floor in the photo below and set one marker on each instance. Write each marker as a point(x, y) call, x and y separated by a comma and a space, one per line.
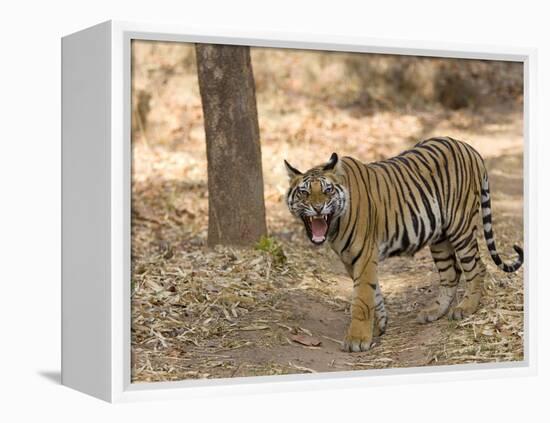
point(225, 312)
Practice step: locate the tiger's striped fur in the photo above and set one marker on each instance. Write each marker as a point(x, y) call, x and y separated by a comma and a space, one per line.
point(428, 195)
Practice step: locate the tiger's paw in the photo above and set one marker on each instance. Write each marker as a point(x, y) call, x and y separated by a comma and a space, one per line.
point(358, 338)
point(465, 308)
point(430, 314)
point(356, 344)
point(460, 312)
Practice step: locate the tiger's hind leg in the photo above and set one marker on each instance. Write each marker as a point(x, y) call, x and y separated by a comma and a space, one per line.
point(380, 314)
point(467, 252)
point(449, 275)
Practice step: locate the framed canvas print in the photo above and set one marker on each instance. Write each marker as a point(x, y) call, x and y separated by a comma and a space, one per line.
point(260, 212)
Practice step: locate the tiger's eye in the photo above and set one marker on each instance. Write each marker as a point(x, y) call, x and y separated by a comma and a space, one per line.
point(329, 189)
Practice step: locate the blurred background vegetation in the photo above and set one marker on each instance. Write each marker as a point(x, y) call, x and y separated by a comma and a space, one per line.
point(165, 87)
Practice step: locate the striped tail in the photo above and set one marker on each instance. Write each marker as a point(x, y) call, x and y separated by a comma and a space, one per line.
point(488, 231)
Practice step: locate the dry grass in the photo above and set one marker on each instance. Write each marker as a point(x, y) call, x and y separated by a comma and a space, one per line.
point(200, 313)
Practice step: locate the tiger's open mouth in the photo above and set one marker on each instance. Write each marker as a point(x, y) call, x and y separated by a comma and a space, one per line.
point(317, 227)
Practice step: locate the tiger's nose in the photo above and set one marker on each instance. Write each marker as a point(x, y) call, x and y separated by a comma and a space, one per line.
point(318, 208)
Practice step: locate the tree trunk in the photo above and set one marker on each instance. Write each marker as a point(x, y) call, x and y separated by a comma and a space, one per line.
point(236, 211)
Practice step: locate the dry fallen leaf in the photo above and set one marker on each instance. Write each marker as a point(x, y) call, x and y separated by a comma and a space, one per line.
point(308, 341)
point(254, 327)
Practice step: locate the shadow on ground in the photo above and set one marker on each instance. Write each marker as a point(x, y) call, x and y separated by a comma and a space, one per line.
point(54, 376)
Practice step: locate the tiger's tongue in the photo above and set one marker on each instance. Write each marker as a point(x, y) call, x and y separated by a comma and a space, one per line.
point(318, 229)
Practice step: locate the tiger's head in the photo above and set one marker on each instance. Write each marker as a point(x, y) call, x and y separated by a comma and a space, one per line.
point(317, 197)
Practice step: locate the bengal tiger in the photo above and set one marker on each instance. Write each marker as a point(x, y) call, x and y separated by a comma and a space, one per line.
point(428, 195)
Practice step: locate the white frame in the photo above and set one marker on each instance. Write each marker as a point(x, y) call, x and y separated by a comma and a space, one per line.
point(96, 156)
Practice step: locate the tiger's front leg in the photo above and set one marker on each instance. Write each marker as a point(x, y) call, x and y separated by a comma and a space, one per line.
point(363, 309)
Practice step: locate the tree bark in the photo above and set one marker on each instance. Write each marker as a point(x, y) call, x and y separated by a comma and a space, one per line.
point(236, 211)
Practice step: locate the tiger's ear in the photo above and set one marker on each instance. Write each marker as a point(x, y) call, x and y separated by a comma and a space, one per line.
point(332, 162)
point(292, 171)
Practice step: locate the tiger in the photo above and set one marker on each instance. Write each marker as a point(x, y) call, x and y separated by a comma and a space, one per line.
point(429, 195)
